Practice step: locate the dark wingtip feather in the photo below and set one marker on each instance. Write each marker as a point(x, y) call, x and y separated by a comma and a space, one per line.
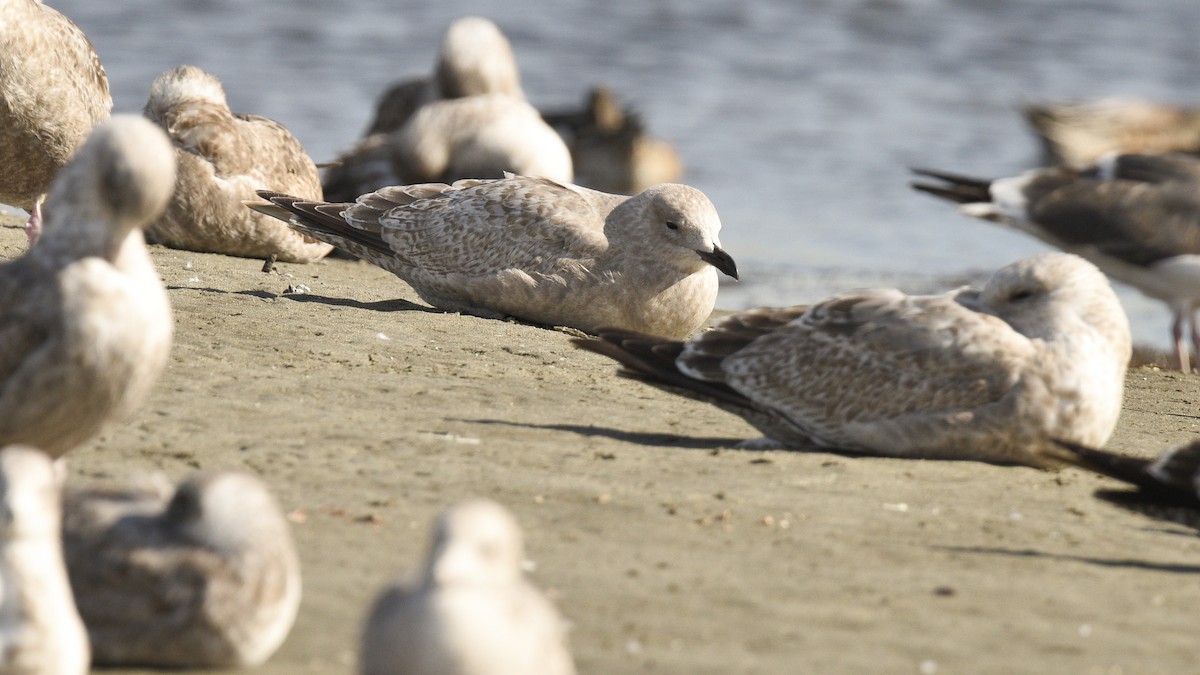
point(1132, 470)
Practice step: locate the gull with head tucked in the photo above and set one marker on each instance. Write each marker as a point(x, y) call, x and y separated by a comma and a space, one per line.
point(223, 158)
point(471, 612)
point(991, 374)
point(205, 578)
point(40, 629)
point(85, 324)
point(540, 251)
point(52, 91)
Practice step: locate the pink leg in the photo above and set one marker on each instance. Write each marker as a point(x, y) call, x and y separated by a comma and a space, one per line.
point(33, 226)
point(1181, 347)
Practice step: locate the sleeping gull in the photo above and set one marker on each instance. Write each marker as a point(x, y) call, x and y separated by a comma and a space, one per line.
point(1137, 217)
point(610, 149)
point(85, 324)
point(53, 90)
point(205, 578)
point(471, 120)
point(223, 158)
point(1168, 486)
point(1039, 351)
point(1080, 133)
point(471, 612)
point(530, 248)
point(40, 630)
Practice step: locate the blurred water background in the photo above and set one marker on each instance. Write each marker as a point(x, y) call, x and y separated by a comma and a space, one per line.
point(797, 117)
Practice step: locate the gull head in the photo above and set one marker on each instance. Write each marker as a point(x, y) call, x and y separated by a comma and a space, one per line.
point(1054, 296)
point(29, 494)
point(225, 511)
point(682, 227)
point(179, 86)
point(475, 59)
point(476, 543)
point(121, 178)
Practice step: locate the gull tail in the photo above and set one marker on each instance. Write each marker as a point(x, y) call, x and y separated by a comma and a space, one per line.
point(321, 221)
point(953, 187)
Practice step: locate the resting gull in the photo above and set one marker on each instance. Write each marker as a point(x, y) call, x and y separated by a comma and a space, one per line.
point(53, 90)
point(85, 324)
point(1137, 217)
point(1040, 351)
point(205, 578)
point(540, 251)
point(40, 630)
point(610, 149)
point(223, 158)
point(1168, 486)
point(471, 612)
point(1080, 133)
point(470, 121)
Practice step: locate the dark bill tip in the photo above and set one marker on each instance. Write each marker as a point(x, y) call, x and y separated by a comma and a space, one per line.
point(721, 260)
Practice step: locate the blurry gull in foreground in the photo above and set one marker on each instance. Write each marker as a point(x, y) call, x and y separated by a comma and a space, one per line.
point(1137, 217)
point(85, 324)
point(40, 630)
point(205, 578)
point(1080, 133)
point(1168, 487)
point(1039, 352)
point(53, 90)
point(223, 158)
point(540, 251)
point(471, 120)
point(471, 612)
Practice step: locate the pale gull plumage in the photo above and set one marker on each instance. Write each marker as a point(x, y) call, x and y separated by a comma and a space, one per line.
point(40, 629)
point(1137, 217)
point(53, 90)
point(540, 251)
point(205, 578)
point(1080, 133)
point(85, 324)
point(1039, 352)
point(471, 612)
point(223, 158)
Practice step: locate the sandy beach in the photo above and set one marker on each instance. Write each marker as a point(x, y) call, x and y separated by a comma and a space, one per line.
point(668, 550)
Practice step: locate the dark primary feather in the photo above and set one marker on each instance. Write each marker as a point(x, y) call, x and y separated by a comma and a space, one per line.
point(705, 352)
point(319, 220)
point(652, 360)
point(1172, 482)
point(955, 187)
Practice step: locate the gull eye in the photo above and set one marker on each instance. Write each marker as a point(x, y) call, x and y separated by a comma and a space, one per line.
point(672, 226)
point(1021, 295)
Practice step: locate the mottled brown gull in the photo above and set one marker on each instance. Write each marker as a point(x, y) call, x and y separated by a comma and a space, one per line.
point(1137, 217)
point(40, 629)
point(1168, 485)
point(540, 251)
point(53, 90)
point(223, 158)
point(471, 611)
point(1080, 133)
point(85, 324)
point(1039, 352)
point(206, 578)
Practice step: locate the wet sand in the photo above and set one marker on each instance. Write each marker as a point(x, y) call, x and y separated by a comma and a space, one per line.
point(668, 550)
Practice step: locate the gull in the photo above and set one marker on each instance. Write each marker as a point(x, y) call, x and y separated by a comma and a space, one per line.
point(1168, 486)
point(540, 251)
point(53, 90)
point(223, 158)
point(470, 120)
point(40, 629)
point(991, 374)
point(1137, 217)
point(85, 324)
point(471, 611)
point(206, 577)
point(1080, 133)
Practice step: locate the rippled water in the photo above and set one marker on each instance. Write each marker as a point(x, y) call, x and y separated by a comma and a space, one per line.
point(797, 118)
